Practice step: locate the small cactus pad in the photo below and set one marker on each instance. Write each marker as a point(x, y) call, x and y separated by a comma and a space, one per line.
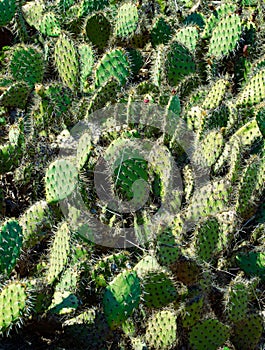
point(121, 297)
point(126, 21)
point(11, 239)
point(27, 64)
point(14, 305)
point(60, 180)
point(161, 331)
point(7, 9)
point(59, 251)
point(66, 61)
point(113, 64)
point(97, 30)
point(208, 334)
point(179, 63)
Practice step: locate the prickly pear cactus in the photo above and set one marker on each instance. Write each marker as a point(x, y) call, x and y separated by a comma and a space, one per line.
point(66, 61)
point(132, 174)
point(121, 298)
point(208, 334)
point(7, 10)
point(11, 238)
point(27, 64)
point(161, 332)
point(126, 21)
point(15, 305)
point(60, 180)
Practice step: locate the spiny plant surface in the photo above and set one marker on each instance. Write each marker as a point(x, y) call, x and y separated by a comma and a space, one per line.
point(158, 105)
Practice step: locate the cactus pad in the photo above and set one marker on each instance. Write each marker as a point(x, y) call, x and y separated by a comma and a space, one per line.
point(161, 331)
point(121, 297)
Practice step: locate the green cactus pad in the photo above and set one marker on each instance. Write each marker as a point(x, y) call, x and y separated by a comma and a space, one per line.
point(146, 264)
point(161, 32)
point(195, 19)
point(167, 248)
point(221, 12)
point(121, 297)
point(207, 239)
point(215, 95)
point(63, 303)
point(252, 263)
point(59, 251)
point(104, 269)
point(157, 72)
point(14, 305)
point(231, 27)
point(247, 185)
point(60, 180)
point(236, 301)
point(260, 118)
point(188, 36)
point(211, 198)
point(66, 61)
point(33, 220)
point(87, 7)
point(125, 176)
point(161, 331)
point(107, 93)
point(113, 64)
point(126, 21)
point(209, 149)
point(179, 63)
point(254, 91)
point(86, 57)
point(33, 12)
point(192, 311)
point(247, 333)
point(16, 95)
point(97, 30)
point(49, 25)
point(158, 289)
point(27, 64)
point(11, 238)
point(7, 9)
point(136, 60)
point(209, 334)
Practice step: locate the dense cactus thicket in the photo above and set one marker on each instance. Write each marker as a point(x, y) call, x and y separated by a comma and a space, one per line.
point(161, 104)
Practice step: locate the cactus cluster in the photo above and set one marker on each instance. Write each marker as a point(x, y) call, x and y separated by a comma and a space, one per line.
point(132, 172)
